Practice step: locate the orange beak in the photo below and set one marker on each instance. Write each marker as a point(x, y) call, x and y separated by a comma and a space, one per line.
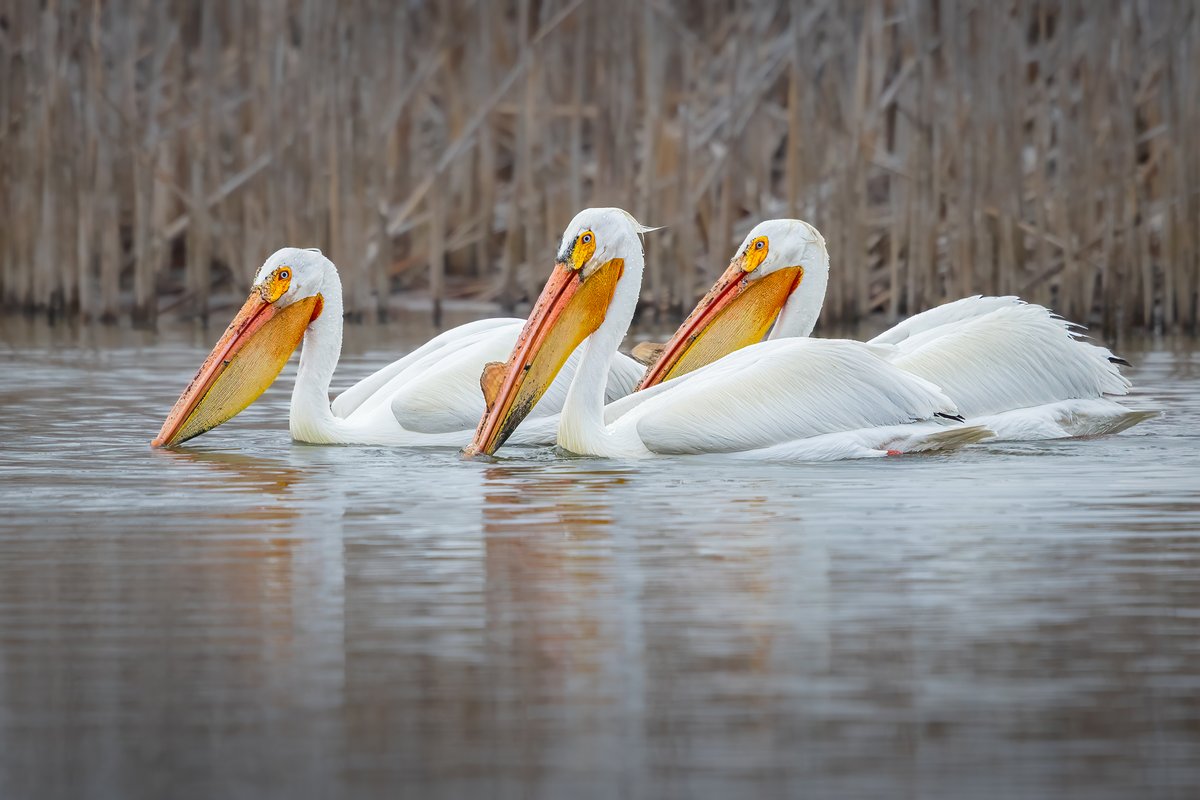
point(247, 359)
point(737, 311)
point(568, 310)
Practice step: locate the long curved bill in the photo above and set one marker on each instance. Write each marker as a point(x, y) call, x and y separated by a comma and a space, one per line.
point(736, 312)
point(569, 310)
point(247, 359)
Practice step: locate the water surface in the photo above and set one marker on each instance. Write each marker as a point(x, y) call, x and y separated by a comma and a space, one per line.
point(248, 617)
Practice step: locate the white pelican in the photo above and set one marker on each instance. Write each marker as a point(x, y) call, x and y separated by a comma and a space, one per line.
point(1011, 366)
point(429, 397)
point(794, 398)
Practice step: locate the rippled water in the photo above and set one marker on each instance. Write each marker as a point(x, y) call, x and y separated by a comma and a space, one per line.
point(254, 618)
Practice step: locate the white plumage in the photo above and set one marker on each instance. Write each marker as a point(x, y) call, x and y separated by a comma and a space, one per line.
point(1015, 367)
point(435, 389)
point(967, 308)
point(764, 401)
point(1016, 356)
point(1009, 365)
point(783, 391)
point(430, 397)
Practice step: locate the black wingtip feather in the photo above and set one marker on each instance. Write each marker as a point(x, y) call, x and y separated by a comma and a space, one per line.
point(954, 417)
point(1119, 360)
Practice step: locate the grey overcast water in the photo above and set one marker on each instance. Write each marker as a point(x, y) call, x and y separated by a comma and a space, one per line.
point(251, 618)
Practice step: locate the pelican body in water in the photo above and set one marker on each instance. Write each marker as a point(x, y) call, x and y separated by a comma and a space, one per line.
point(793, 398)
point(429, 397)
point(1011, 366)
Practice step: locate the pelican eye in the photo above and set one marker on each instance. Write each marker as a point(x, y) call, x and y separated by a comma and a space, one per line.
point(585, 248)
point(275, 285)
point(756, 252)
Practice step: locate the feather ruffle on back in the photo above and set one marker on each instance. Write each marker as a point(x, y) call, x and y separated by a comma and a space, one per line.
point(1016, 356)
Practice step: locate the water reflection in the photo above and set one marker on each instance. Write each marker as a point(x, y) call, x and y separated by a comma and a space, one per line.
point(248, 617)
point(239, 471)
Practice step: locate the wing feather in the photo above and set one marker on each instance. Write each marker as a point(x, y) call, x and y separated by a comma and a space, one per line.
point(351, 399)
point(1016, 356)
point(447, 397)
point(958, 311)
point(782, 390)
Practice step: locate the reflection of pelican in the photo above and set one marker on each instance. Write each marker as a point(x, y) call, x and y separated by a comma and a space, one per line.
point(429, 397)
point(551, 500)
point(259, 474)
point(990, 355)
point(799, 398)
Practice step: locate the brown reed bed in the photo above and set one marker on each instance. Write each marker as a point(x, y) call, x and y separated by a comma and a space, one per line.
point(153, 153)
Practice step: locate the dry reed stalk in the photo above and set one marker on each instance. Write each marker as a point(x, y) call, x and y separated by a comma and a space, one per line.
point(153, 153)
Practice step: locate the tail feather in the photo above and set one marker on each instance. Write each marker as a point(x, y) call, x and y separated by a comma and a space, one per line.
point(943, 440)
point(1106, 426)
point(1065, 420)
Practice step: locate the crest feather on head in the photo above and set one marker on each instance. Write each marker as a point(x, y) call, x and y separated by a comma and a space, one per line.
point(637, 226)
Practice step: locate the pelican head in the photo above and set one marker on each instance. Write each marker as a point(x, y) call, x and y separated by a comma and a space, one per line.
point(285, 299)
point(587, 274)
point(761, 283)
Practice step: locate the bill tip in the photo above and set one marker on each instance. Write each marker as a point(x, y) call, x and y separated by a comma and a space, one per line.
point(473, 453)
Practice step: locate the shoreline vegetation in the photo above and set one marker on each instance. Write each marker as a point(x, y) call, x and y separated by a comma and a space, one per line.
point(153, 154)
